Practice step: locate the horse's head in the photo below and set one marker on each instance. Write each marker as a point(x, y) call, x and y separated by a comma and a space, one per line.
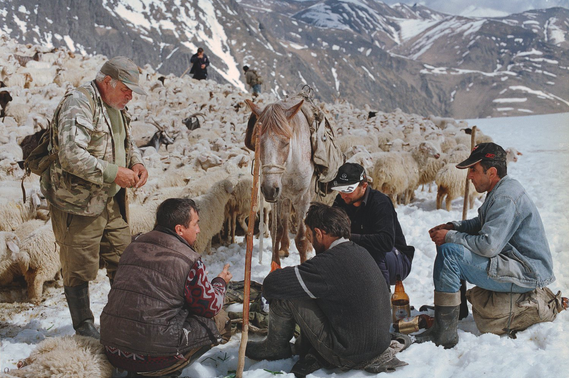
point(275, 129)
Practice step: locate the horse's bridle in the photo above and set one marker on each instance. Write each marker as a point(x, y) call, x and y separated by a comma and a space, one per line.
point(273, 169)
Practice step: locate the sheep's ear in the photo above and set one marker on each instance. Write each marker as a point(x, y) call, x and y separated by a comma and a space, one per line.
point(36, 201)
point(291, 112)
point(519, 153)
point(13, 247)
point(254, 108)
point(229, 187)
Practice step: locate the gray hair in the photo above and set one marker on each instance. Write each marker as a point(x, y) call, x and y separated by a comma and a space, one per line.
point(101, 76)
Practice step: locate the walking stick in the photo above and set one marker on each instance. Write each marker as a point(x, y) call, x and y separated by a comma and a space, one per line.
point(463, 305)
point(187, 69)
point(261, 225)
point(467, 187)
point(248, 256)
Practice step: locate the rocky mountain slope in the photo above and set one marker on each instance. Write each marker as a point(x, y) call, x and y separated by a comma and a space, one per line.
point(359, 51)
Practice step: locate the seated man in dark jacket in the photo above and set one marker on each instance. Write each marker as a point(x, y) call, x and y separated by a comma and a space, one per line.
point(162, 311)
point(341, 307)
point(374, 222)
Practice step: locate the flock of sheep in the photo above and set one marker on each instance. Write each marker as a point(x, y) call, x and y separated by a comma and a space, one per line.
point(197, 151)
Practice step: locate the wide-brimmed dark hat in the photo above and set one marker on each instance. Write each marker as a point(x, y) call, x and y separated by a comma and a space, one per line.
point(484, 152)
point(349, 177)
point(123, 69)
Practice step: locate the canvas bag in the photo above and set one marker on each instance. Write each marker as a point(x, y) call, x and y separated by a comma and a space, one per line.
point(43, 155)
point(326, 156)
point(508, 313)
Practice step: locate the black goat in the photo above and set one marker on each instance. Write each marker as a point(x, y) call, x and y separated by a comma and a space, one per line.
point(192, 122)
point(371, 114)
point(5, 98)
point(159, 138)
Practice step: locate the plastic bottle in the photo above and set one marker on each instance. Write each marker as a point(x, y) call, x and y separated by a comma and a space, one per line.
point(408, 325)
point(400, 302)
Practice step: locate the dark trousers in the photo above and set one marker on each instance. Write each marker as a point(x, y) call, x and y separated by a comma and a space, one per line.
point(314, 326)
point(394, 264)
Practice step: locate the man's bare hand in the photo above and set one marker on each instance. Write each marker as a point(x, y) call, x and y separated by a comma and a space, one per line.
point(142, 173)
point(226, 274)
point(126, 178)
point(438, 233)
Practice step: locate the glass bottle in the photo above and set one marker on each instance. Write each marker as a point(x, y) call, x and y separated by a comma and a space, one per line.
point(400, 302)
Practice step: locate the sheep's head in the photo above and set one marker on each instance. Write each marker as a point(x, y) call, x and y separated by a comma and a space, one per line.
point(12, 245)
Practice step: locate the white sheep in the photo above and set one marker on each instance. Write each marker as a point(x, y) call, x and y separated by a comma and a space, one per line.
point(14, 213)
point(451, 183)
point(9, 250)
point(415, 162)
point(363, 158)
point(512, 155)
point(398, 173)
point(67, 356)
point(388, 175)
point(38, 259)
point(212, 213)
point(239, 207)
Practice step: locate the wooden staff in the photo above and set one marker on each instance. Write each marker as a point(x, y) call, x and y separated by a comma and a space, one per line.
point(464, 211)
point(261, 225)
point(466, 186)
point(248, 256)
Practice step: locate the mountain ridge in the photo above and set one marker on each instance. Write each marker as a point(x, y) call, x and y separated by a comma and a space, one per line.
point(360, 51)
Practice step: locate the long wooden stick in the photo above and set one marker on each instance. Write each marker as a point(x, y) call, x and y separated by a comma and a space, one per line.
point(466, 186)
point(248, 257)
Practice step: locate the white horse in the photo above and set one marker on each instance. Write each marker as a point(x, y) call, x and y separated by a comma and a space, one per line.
point(287, 168)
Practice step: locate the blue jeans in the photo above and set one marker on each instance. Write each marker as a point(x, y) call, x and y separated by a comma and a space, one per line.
point(257, 88)
point(454, 263)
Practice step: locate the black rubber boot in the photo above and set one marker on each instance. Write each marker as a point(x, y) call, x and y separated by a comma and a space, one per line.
point(276, 345)
point(443, 332)
point(79, 307)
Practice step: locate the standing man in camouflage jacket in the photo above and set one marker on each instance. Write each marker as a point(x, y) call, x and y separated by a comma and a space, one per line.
point(85, 185)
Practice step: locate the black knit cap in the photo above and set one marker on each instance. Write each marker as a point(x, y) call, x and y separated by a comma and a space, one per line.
point(484, 152)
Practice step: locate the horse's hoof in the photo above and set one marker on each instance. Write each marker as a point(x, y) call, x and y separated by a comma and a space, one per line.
point(283, 253)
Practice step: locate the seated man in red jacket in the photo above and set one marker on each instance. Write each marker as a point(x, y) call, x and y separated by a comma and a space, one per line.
point(341, 307)
point(162, 311)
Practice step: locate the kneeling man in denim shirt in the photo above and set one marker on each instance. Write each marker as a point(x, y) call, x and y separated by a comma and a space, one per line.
point(503, 249)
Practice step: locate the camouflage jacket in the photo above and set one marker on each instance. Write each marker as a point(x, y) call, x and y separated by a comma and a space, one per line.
point(83, 139)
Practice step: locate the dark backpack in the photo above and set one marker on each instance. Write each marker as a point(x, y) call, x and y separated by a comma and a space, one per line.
point(41, 157)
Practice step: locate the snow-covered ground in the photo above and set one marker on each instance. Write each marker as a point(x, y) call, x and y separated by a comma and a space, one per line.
point(540, 351)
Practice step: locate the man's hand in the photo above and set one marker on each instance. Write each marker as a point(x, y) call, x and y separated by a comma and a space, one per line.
point(126, 178)
point(439, 233)
point(141, 173)
point(226, 274)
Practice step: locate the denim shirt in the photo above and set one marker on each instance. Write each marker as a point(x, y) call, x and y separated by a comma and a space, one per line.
point(508, 231)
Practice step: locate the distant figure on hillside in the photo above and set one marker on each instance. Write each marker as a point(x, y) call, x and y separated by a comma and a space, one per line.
point(253, 79)
point(200, 62)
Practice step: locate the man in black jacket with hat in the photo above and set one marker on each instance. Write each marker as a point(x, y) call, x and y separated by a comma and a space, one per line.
point(374, 222)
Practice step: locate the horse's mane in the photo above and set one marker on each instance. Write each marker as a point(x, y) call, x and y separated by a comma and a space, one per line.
point(273, 119)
